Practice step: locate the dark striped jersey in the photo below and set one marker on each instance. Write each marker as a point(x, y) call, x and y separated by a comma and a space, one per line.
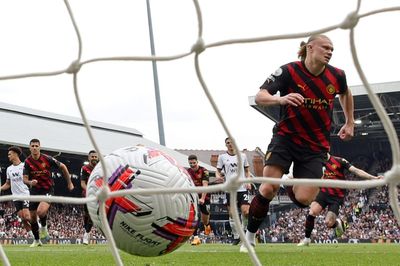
point(41, 169)
point(86, 170)
point(198, 176)
point(308, 125)
point(334, 169)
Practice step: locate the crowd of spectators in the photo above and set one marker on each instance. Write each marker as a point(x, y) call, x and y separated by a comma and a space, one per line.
point(367, 212)
point(64, 221)
point(366, 220)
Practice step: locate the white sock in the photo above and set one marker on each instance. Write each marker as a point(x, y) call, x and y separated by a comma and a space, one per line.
point(251, 237)
point(245, 221)
point(233, 227)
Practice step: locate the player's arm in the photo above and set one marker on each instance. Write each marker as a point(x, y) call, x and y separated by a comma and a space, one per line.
point(205, 179)
point(264, 98)
point(25, 176)
point(278, 81)
point(67, 176)
point(83, 184)
point(83, 178)
point(29, 183)
point(247, 175)
point(347, 103)
point(361, 173)
point(247, 172)
point(204, 194)
point(6, 185)
point(219, 176)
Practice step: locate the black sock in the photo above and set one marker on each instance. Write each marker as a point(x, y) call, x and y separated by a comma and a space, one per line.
point(258, 211)
point(43, 220)
point(309, 225)
point(35, 230)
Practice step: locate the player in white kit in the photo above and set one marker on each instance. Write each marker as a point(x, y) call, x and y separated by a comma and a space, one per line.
point(228, 165)
point(18, 187)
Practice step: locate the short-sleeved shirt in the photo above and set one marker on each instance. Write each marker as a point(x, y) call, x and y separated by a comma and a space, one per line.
point(41, 170)
point(307, 125)
point(335, 169)
point(86, 170)
point(229, 165)
point(198, 176)
point(14, 175)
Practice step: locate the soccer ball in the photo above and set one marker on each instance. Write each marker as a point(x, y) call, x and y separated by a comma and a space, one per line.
point(145, 225)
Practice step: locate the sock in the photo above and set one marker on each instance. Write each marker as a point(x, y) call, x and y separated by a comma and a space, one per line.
point(245, 222)
point(233, 227)
point(309, 225)
point(35, 230)
point(258, 211)
point(43, 220)
point(251, 237)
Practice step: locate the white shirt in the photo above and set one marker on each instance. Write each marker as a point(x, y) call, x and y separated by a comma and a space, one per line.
point(229, 165)
point(14, 174)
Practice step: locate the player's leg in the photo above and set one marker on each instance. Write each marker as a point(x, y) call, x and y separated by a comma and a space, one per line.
point(235, 233)
point(42, 211)
point(87, 225)
point(259, 206)
point(22, 208)
point(315, 210)
point(196, 240)
point(305, 194)
point(34, 224)
point(307, 165)
point(244, 203)
point(278, 159)
point(205, 217)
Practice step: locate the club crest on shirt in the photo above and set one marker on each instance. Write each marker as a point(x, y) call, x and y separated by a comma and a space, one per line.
point(330, 89)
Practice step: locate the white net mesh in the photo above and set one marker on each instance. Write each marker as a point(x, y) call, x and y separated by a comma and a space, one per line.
point(392, 177)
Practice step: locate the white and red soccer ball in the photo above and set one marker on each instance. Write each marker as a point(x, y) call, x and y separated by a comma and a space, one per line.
point(145, 225)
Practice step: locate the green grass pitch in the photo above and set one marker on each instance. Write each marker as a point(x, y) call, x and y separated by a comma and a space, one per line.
point(211, 254)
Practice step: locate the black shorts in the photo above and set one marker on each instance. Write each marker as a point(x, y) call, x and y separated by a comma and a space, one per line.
point(205, 208)
point(39, 192)
point(306, 163)
point(333, 202)
point(242, 198)
point(21, 204)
